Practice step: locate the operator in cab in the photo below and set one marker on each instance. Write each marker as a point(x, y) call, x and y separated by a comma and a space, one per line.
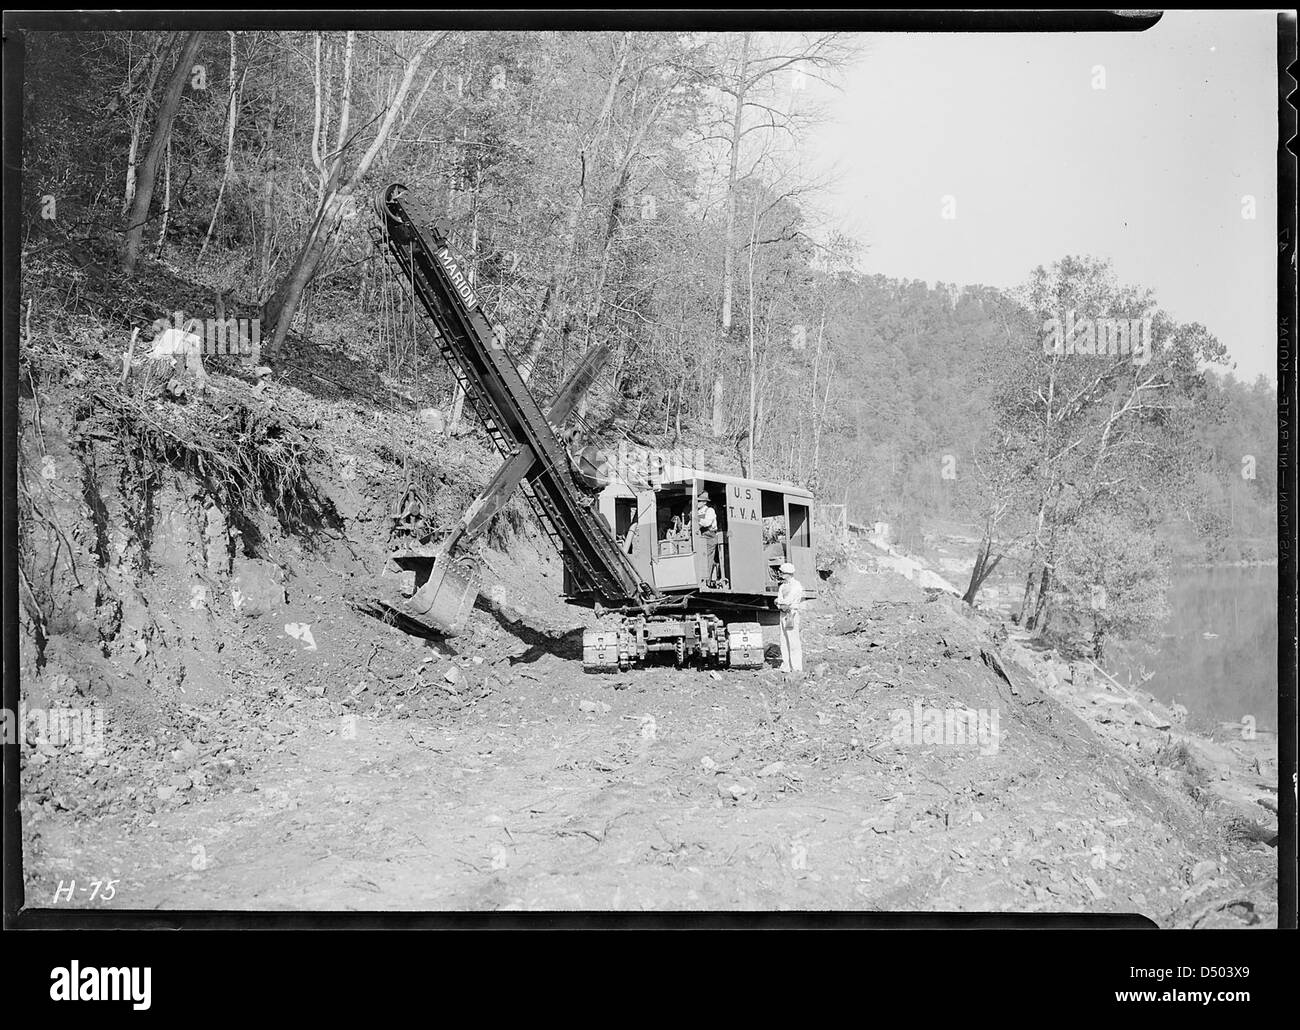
point(706, 521)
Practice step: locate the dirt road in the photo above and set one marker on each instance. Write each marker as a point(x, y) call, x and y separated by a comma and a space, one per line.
point(529, 785)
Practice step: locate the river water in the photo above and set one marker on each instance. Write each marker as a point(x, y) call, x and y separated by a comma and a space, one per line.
point(1217, 653)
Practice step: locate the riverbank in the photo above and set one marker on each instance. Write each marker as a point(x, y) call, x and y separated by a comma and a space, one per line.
point(1230, 776)
point(1237, 765)
point(1214, 656)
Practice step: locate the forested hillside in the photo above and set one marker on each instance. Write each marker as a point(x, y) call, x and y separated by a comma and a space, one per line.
point(648, 191)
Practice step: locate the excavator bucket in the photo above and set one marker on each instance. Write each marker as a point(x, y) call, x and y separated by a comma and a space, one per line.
point(445, 590)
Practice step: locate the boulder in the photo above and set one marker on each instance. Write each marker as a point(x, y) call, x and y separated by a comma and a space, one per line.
point(434, 419)
point(257, 587)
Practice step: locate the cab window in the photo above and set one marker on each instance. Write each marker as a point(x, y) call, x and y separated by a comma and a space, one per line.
point(800, 532)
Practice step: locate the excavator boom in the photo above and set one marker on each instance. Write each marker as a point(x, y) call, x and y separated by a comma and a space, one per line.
point(536, 460)
point(648, 620)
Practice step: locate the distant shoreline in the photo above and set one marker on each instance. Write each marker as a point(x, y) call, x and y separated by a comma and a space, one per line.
point(1258, 563)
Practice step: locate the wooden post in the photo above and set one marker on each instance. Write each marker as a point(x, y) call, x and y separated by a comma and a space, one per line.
point(130, 353)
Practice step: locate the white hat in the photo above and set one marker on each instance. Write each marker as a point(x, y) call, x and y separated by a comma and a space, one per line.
point(787, 568)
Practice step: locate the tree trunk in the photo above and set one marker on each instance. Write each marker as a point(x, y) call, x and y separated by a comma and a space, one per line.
point(606, 251)
point(1031, 578)
point(457, 408)
point(816, 374)
point(753, 363)
point(267, 129)
point(345, 115)
point(729, 241)
point(617, 202)
point(268, 215)
point(156, 58)
point(458, 396)
point(167, 200)
point(171, 98)
point(283, 304)
point(817, 428)
point(228, 169)
point(1038, 617)
point(983, 568)
point(577, 202)
point(976, 573)
point(760, 405)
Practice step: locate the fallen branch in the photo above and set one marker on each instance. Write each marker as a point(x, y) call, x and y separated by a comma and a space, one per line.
point(129, 355)
point(1152, 719)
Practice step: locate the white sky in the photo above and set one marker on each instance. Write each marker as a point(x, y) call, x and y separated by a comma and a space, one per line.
point(1149, 172)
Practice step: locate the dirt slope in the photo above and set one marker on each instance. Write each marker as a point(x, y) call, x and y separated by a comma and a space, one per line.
point(269, 743)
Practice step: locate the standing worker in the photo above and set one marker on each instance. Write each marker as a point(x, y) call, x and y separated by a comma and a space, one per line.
point(789, 597)
point(706, 521)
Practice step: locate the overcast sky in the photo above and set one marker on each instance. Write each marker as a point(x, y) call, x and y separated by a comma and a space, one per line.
point(1150, 171)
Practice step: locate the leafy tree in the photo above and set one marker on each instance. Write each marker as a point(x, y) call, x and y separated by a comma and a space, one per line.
point(1096, 430)
point(1112, 579)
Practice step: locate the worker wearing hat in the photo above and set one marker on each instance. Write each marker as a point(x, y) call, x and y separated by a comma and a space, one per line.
point(789, 598)
point(706, 521)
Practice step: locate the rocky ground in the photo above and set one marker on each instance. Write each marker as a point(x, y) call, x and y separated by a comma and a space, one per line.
point(269, 743)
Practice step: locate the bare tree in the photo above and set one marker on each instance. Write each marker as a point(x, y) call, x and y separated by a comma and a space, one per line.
point(162, 130)
point(153, 62)
point(644, 117)
point(747, 89)
point(588, 154)
point(334, 186)
point(232, 118)
point(741, 89)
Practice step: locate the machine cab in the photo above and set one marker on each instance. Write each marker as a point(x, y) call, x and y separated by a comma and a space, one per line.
point(760, 525)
